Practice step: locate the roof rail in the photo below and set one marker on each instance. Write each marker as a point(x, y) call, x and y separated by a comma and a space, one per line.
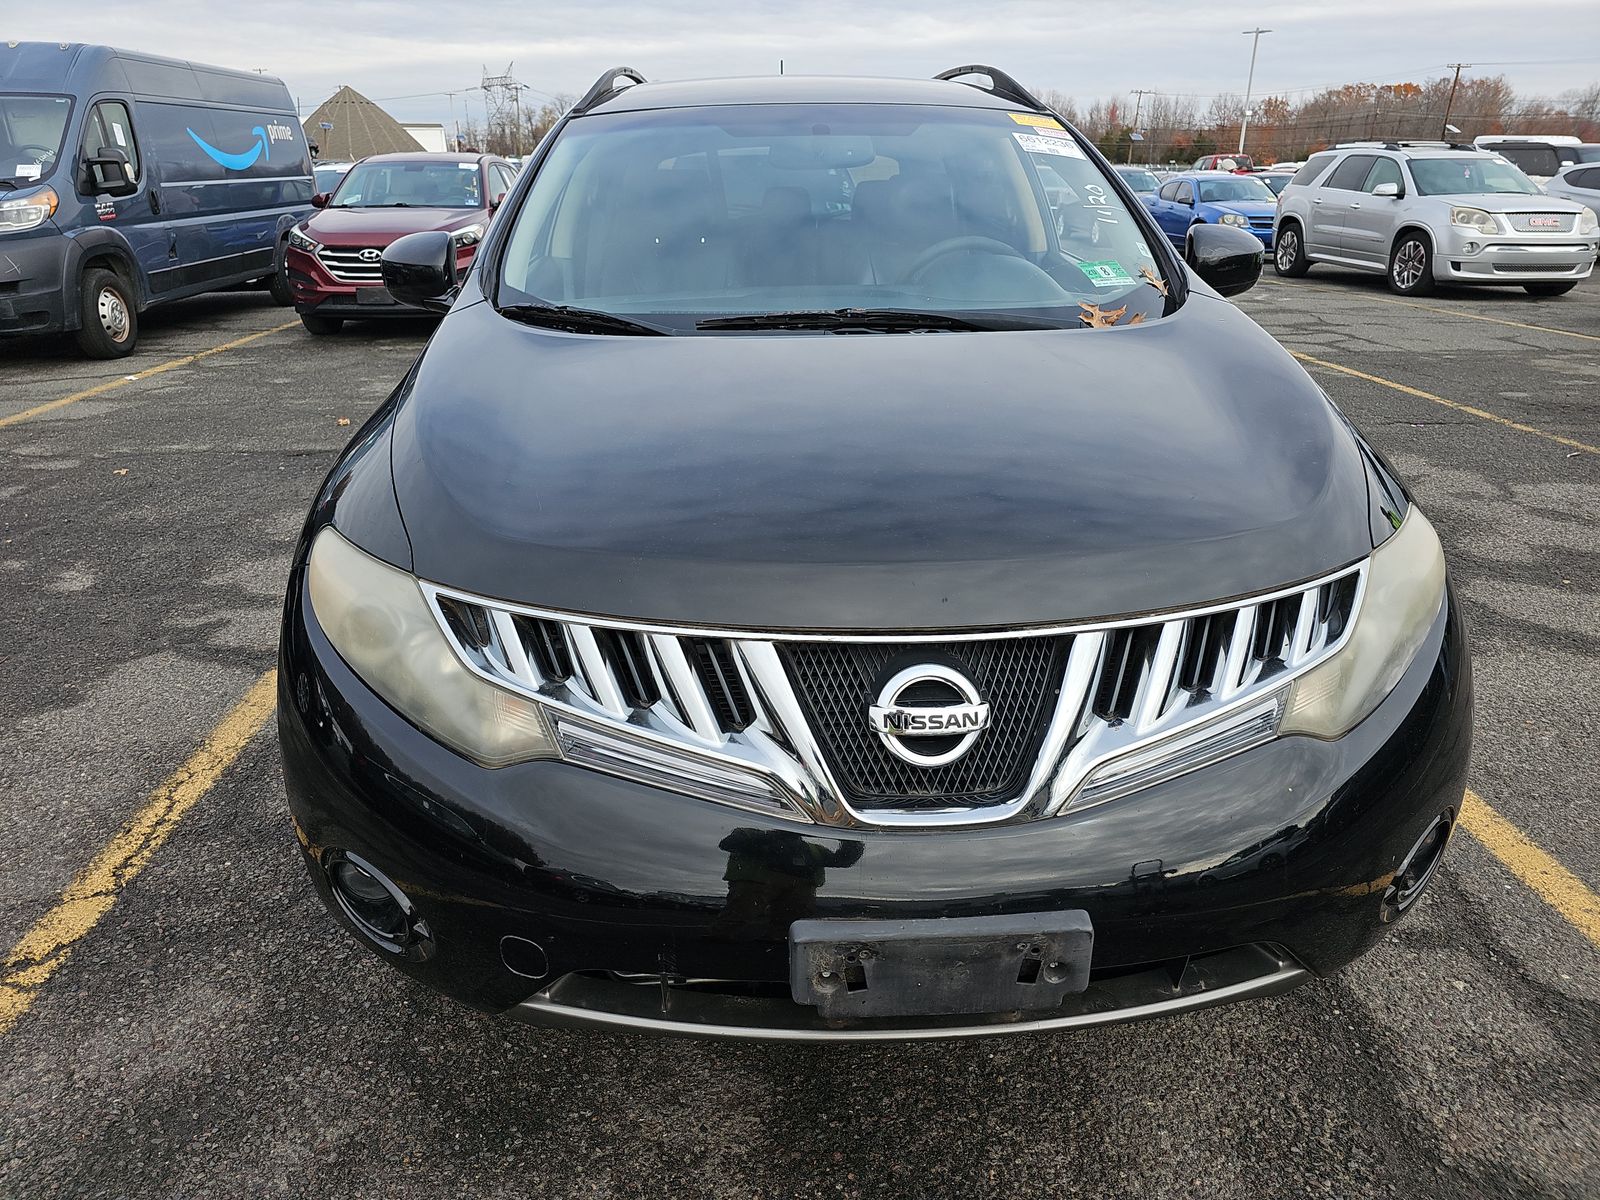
point(1405, 144)
point(1000, 84)
point(604, 88)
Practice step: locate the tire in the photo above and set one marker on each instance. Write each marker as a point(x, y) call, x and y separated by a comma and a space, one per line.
point(321, 325)
point(108, 318)
point(1411, 266)
point(1549, 289)
point(279, 284)
point(1289, 255)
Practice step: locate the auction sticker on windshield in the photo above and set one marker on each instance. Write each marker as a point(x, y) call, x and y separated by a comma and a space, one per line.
point(1035, 143)
point(1036, 119)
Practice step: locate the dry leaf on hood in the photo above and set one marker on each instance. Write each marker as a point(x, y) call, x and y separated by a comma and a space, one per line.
point(1096, 317)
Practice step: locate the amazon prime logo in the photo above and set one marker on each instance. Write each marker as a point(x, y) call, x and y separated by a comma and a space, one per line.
point(928, 715)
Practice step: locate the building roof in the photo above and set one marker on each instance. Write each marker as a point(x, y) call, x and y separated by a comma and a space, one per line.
point(360, 128)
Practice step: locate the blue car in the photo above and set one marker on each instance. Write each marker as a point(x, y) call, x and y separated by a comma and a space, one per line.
point(1213, 198)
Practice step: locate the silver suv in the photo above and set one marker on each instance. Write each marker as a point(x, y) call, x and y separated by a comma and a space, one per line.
point(1431, 212)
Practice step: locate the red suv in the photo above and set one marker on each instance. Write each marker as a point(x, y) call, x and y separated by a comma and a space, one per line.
point(1238, 164)
point(334, 259)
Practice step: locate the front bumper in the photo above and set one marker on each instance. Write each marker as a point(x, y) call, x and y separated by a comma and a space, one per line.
point(1242, 879)
point(317, 291)
point(1514, 258)
point(35, 295)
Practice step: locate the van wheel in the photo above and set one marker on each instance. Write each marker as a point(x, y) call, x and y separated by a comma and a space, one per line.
point(279, 285)
point(1411, 266)
point(321, 325)
point(1289, 256)
point(108, 320)
point(1549, 289)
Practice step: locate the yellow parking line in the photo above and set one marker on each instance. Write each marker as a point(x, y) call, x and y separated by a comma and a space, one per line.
point(90, 896)
point(1553, 883)
point(1465, 316)
point(1455, 404)
point(99, 389)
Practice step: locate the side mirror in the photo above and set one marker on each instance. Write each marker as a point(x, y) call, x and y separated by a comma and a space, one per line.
point(1391, 190)
point(1228, 259)
point(496, 200)
point(320, 200)
point(110, 173)
point(420, 270)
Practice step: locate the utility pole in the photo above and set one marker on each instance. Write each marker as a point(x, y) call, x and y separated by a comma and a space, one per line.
point(1138, 107)
point(1444, 126)
point(455, 145)
point(1244, 122)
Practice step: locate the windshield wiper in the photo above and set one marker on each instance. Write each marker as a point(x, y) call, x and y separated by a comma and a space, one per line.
point(579, 320)
point(884, 320)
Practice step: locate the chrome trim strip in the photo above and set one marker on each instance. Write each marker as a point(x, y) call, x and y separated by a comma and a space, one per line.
point(539, 1010)
point(951, 635)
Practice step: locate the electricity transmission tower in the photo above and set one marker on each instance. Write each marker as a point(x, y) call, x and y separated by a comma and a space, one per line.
point(502, 102)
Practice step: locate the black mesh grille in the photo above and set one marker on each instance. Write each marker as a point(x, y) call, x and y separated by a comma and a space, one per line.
point(1020, 678)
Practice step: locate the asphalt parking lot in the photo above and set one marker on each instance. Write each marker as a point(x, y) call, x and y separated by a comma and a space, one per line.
point(179, 1017)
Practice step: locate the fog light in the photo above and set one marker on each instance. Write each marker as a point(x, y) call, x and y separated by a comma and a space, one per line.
point(1470, 248)
point(1418, 868)
point(374, 904)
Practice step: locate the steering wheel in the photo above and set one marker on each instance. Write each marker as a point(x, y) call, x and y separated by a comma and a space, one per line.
point(958, 245)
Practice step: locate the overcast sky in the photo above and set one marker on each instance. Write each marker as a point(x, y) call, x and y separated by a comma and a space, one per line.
point(389, 49)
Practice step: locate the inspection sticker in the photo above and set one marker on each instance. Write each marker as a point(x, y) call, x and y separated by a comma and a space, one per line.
point(1035, 144)
point(1038, 119)
point(1106, 274)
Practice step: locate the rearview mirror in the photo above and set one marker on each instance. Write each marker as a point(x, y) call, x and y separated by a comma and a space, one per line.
point(420, 270)
point(110, 173)
point(1392, 190)
point(1228, 259)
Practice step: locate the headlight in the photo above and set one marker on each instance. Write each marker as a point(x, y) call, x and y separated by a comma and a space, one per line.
point(1404, 590)
point(1233, 219)
point(300, 241)
point(1588, 223)
point(377, 619)
point(1474, 218)
point(26, 212)
point(470, 236)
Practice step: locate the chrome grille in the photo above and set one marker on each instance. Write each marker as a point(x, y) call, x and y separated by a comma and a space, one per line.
point(778, 722)
point(346, 265)
point(1523, 222)
point(836, 681)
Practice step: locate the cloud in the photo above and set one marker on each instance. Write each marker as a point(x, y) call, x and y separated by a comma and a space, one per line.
point(398, 48)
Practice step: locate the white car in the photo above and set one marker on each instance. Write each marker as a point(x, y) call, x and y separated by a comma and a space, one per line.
point(1579, 182)
point(1428, 212)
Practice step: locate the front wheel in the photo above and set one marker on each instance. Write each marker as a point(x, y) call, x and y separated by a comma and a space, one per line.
point(321, 325)
point(108, 319)
point(1411, 266)
point(1289, 256)
point(279, 284)
point(1549, 289)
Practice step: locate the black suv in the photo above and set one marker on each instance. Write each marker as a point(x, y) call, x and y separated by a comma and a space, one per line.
point(836, 573)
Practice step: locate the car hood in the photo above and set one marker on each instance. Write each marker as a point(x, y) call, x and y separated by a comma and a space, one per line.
point(889, 482)
point(380, 226)
point(1502, 202)
point(1246, 208)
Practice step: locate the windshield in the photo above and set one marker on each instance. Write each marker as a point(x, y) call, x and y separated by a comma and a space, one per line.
point(1227, 191)
point(1469, 177)
point(402, 184)
point(1531, 158)
point(1139, 181)
point(691, 213)
point(328, 177)
point(1276, 182)
point(31, 129)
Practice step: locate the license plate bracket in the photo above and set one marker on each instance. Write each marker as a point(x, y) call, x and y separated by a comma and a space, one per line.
point(374, 295)
point(1019, 963)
